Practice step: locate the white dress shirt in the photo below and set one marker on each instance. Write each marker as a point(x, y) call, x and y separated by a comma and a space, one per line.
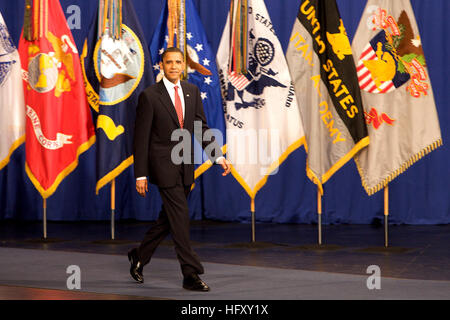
point(171, 90)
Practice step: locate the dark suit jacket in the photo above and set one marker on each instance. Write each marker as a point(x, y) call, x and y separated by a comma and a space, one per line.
point(156, 119)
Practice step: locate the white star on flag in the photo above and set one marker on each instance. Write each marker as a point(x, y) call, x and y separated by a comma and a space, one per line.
point(203, 95)
point(189, 35)
point(206, 62)
point(208, 80)
point(199, 47)
point(166, 38)
point(156, 67)
point(161, 51)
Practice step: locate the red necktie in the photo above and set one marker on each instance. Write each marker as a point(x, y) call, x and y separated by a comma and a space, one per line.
point(178, 107)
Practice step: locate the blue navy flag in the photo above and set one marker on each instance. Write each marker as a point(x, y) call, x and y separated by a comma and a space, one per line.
point(201, 67)
point(115, 71)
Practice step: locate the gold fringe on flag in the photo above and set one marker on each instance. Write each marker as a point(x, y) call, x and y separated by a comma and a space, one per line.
point(408, 163)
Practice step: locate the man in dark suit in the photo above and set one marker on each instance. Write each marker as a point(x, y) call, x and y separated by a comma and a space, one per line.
point(164, 107)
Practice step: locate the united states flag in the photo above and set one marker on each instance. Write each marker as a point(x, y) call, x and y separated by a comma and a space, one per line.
point(239, 81)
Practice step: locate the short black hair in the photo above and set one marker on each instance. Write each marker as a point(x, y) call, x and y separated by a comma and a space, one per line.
point(172, 49)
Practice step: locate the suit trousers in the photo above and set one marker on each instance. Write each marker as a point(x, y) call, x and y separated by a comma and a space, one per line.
point(173, 219)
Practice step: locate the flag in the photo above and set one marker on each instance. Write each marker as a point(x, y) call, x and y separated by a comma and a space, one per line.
point(262, 116)
point(396, 90)
point(190, 37)
point(322, 67)
point(58, 122)
point(116, 67)
point(12, 107)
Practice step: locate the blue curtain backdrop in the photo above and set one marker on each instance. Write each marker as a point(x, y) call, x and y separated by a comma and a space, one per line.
point(419, 196)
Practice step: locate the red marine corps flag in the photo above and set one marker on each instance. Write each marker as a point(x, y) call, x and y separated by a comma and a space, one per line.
point(58, 121)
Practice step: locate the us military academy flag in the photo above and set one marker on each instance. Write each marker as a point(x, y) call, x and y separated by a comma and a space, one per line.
point(58, 121)
point(262, 115)
point(189, 35)
point(322, 67)
point(396, 90)
point(116, 66)
point(12, 108)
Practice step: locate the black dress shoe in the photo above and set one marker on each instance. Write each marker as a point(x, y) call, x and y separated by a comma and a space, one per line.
point(136, 266)
point(194, 283)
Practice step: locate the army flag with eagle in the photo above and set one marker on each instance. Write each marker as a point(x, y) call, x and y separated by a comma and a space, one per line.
point(180, 26)
point(323, 71)
point(116, 66)
point(396, 90)
point(12, 108)
point(261, 112)
point(58, 120)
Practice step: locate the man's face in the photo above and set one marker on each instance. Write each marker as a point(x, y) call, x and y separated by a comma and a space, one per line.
point(173, 66)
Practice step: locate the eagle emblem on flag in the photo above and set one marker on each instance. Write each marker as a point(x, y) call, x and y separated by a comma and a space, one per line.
point(6, 42)
point(258, 76)
point(392, 57)
point(5, 70)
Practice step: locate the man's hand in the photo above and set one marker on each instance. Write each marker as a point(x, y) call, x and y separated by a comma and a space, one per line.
point(226, 165)
point(142, 187)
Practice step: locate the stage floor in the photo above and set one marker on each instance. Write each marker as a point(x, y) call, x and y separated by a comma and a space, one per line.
point(284, 263)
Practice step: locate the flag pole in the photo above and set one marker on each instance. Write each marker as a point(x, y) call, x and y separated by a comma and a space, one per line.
point(45, 217)
point(113, 205)
point(253, 219)
point(386, 214)
point(319, 212)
